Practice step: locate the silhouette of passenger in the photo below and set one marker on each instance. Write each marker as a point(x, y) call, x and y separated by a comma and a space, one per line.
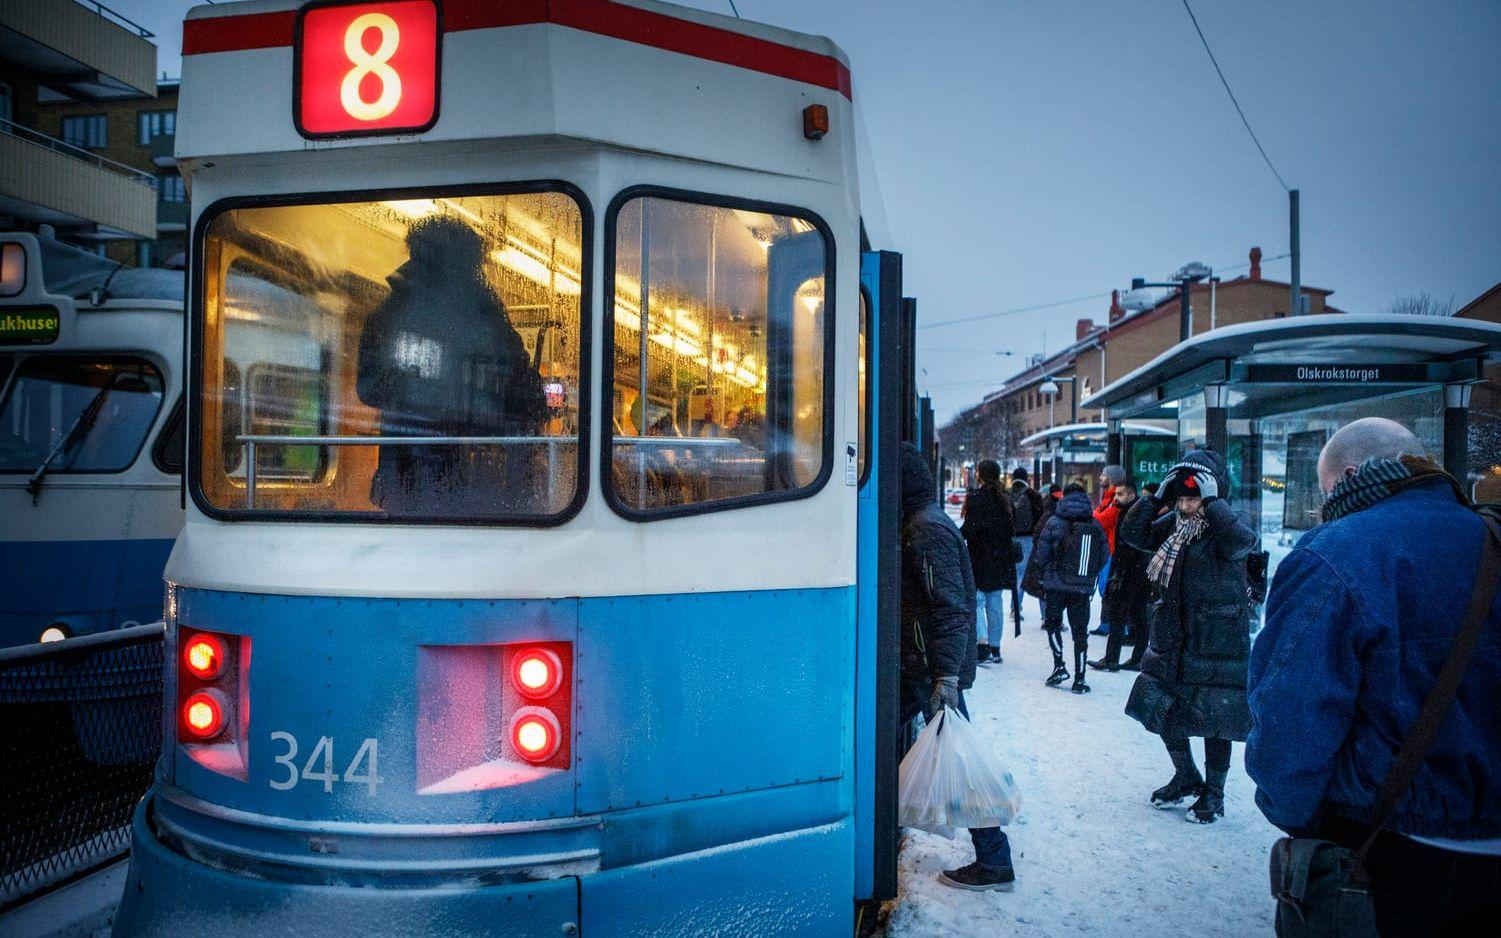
point(440, 358)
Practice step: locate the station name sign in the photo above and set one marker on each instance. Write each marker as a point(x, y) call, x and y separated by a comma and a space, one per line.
point(29, 326)
point(364, 69)
point(1403, 373)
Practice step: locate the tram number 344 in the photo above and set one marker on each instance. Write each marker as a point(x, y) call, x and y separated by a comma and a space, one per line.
point(319, 766)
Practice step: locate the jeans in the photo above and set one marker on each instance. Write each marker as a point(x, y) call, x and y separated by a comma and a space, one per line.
point(990, 617)
point(1021, 570)
point(992, 847)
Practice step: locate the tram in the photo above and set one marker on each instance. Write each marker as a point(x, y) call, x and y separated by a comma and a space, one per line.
point(544, 406)
point(91, 439)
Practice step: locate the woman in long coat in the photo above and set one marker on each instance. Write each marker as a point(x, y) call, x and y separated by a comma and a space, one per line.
point(989, 530)
point(1193, 675)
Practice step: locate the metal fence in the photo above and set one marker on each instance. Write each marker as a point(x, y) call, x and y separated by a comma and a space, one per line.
point(80, 731)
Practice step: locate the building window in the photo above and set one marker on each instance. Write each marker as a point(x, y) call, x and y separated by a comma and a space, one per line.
point(5, 102)
point(153, 124)
point(170, 188)
point(88, 130)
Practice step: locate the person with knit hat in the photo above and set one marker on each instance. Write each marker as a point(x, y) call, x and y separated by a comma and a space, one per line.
point(1193, 674)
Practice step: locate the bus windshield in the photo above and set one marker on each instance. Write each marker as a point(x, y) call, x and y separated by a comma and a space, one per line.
point(414, 359)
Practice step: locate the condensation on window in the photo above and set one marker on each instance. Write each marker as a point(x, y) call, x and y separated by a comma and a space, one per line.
point(78, 413)
point(725, 308)
point(412, 359)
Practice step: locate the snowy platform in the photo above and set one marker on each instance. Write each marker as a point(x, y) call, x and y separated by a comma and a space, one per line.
point(1092, 855)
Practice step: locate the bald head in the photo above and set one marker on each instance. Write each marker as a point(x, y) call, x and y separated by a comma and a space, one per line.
point(1367, 438)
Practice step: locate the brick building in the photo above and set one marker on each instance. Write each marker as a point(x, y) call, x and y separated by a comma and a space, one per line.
point(1104, 352)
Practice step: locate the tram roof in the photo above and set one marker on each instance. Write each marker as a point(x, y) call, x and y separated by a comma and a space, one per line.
point(1093, 432)
point(636, 74)
point(1342, 357)
point(68, 271)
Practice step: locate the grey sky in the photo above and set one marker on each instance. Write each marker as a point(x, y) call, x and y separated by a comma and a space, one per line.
point(1035, 150)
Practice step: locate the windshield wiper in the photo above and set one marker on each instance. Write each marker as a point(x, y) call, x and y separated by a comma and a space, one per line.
point(75, 433)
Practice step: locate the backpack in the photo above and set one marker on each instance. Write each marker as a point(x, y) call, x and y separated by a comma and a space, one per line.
point(1082, 555)
point(1021, 509)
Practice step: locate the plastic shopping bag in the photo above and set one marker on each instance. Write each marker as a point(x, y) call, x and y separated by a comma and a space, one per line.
point(950, 779)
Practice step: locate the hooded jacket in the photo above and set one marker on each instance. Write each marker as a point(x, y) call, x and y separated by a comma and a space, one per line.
point(1193, 675)
point(938, 585)
point(988, 531)
point(1074, 508)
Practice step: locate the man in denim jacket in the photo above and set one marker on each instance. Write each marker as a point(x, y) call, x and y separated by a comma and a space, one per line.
point(1360, 620)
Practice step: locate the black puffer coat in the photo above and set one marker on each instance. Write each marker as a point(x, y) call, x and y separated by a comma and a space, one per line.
point(1193, 677)
point(988, 530)
point(938, 586)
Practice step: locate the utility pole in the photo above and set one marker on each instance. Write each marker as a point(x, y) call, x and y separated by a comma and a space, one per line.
point(1296, 301)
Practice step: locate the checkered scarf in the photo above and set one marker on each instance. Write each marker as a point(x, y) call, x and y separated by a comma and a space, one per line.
point(1377, 479)
point(1160, 568)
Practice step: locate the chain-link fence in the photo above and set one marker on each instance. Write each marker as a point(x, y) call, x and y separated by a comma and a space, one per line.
point(80, 730)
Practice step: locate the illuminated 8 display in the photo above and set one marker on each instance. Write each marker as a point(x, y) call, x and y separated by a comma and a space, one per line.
point(367, 68)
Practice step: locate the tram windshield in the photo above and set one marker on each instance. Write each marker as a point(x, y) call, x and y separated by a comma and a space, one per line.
point(66, 413)
point(725, 306)
point(415, 359)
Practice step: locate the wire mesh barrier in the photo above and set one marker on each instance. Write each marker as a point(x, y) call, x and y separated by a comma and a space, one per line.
point(80, 730)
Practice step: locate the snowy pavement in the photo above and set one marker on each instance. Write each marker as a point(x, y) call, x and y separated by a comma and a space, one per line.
point(1092, 855)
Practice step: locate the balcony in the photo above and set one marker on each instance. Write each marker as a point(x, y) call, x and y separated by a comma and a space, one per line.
point(86, 51)
point(171, 216)
point(43, 179)
point(162, 146)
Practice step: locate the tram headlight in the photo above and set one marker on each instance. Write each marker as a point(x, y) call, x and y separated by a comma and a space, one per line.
point(535, 734)
point(203, 656)
point(536, 673)
point(203, 714)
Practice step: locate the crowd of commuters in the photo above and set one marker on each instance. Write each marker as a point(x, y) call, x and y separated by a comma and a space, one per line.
point(1370, 703)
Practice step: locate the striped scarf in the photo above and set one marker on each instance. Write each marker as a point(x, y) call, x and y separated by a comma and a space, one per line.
point(1160, 568)
point(1377, 479)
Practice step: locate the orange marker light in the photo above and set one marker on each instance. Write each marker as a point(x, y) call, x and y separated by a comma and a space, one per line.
point(203, 714)
point(535, 734)
point(536, 672)
point(204, 656)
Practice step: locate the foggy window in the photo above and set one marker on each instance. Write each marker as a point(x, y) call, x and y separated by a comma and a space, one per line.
point(411, 359)
point(719, 389)
point(95, 412)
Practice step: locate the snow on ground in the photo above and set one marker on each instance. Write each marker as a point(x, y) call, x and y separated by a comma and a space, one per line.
point(1092, 855)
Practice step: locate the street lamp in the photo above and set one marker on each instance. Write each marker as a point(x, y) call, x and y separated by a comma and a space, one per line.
point(1137, 298)
point(1049, 389)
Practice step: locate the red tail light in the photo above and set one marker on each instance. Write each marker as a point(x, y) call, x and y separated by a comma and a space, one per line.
point(535, 734)
point(536, 673)
point(204, 713)
point(203, 656)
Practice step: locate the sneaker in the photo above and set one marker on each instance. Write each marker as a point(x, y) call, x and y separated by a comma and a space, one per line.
point(1131, 666)
point(995, 654)
point(1103, 665)
point(1177, 791)
point(1059, 675)
point(1209, 808)
point(1101, 629)
point(1079, 686)
point(980, 878)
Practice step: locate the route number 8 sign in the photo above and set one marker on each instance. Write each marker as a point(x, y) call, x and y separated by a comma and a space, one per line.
point(366, 68)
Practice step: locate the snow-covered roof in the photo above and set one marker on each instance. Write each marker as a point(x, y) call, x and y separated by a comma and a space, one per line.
point(1095, 430)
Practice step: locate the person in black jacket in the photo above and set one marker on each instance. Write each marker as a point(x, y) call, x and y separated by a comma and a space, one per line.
point(1128, 598)
point(938, 653)
point(1026, 510)
point(988, 530)
point(1069, 553)
point(1193, 675)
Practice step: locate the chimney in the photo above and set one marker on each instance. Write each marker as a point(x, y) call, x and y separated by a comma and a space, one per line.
point(1256, 263)
point(1082, 328)
point(1115, 306)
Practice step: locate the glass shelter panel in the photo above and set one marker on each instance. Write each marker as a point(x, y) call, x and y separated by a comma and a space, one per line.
point(719, 355)
point(415, 359)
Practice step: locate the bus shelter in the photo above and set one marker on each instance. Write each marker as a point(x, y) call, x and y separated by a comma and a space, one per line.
point(1078, 450)
point(1268, 395)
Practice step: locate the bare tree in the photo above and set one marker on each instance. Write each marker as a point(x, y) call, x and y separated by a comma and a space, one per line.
point(1422, 303)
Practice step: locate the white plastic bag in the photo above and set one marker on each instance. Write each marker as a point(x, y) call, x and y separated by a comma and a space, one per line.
point(950, 780)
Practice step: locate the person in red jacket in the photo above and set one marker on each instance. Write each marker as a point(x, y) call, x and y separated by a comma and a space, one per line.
point(1108, 514)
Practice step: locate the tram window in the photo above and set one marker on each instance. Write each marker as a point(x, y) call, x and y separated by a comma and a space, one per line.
point(357, 326)
point(862, 388)
point(171, 443)
point(726, 307)
point(96, 412)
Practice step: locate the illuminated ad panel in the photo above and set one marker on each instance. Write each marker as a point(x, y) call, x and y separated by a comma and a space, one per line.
point(366, 68)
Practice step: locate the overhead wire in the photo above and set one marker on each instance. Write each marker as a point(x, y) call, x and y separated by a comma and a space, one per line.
point(1220, 72)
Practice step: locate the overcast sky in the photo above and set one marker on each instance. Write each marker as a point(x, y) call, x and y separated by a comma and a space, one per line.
point(1032, 151)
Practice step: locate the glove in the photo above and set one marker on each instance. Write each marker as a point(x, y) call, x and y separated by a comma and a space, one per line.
point(1167, 488)
point(1208, 486)
point(945, 693)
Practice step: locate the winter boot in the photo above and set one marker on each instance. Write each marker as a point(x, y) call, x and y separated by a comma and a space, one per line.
point(1112, 659)
point(1079, 686)
point(1185, 784)
point(1211, 804)
point(1060, 673)
point(982, 654)
point(995, 654)
point(978, 877)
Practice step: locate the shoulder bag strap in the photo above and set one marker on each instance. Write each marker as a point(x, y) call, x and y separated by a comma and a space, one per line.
point(1424, 729)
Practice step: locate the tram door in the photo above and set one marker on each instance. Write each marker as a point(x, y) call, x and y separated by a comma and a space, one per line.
point(884, 405)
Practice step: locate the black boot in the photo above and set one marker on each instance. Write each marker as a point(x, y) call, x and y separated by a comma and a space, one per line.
point(1060, 673)
point(982, 654)
point(1186, 782)
point(1138, 648)
point(1112, 659)
point(1080, 653)
point(995, 653)
point(1211, 804)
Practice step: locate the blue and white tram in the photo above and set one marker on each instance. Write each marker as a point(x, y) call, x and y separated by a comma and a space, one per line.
point(91, 439)
point(528, 584)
